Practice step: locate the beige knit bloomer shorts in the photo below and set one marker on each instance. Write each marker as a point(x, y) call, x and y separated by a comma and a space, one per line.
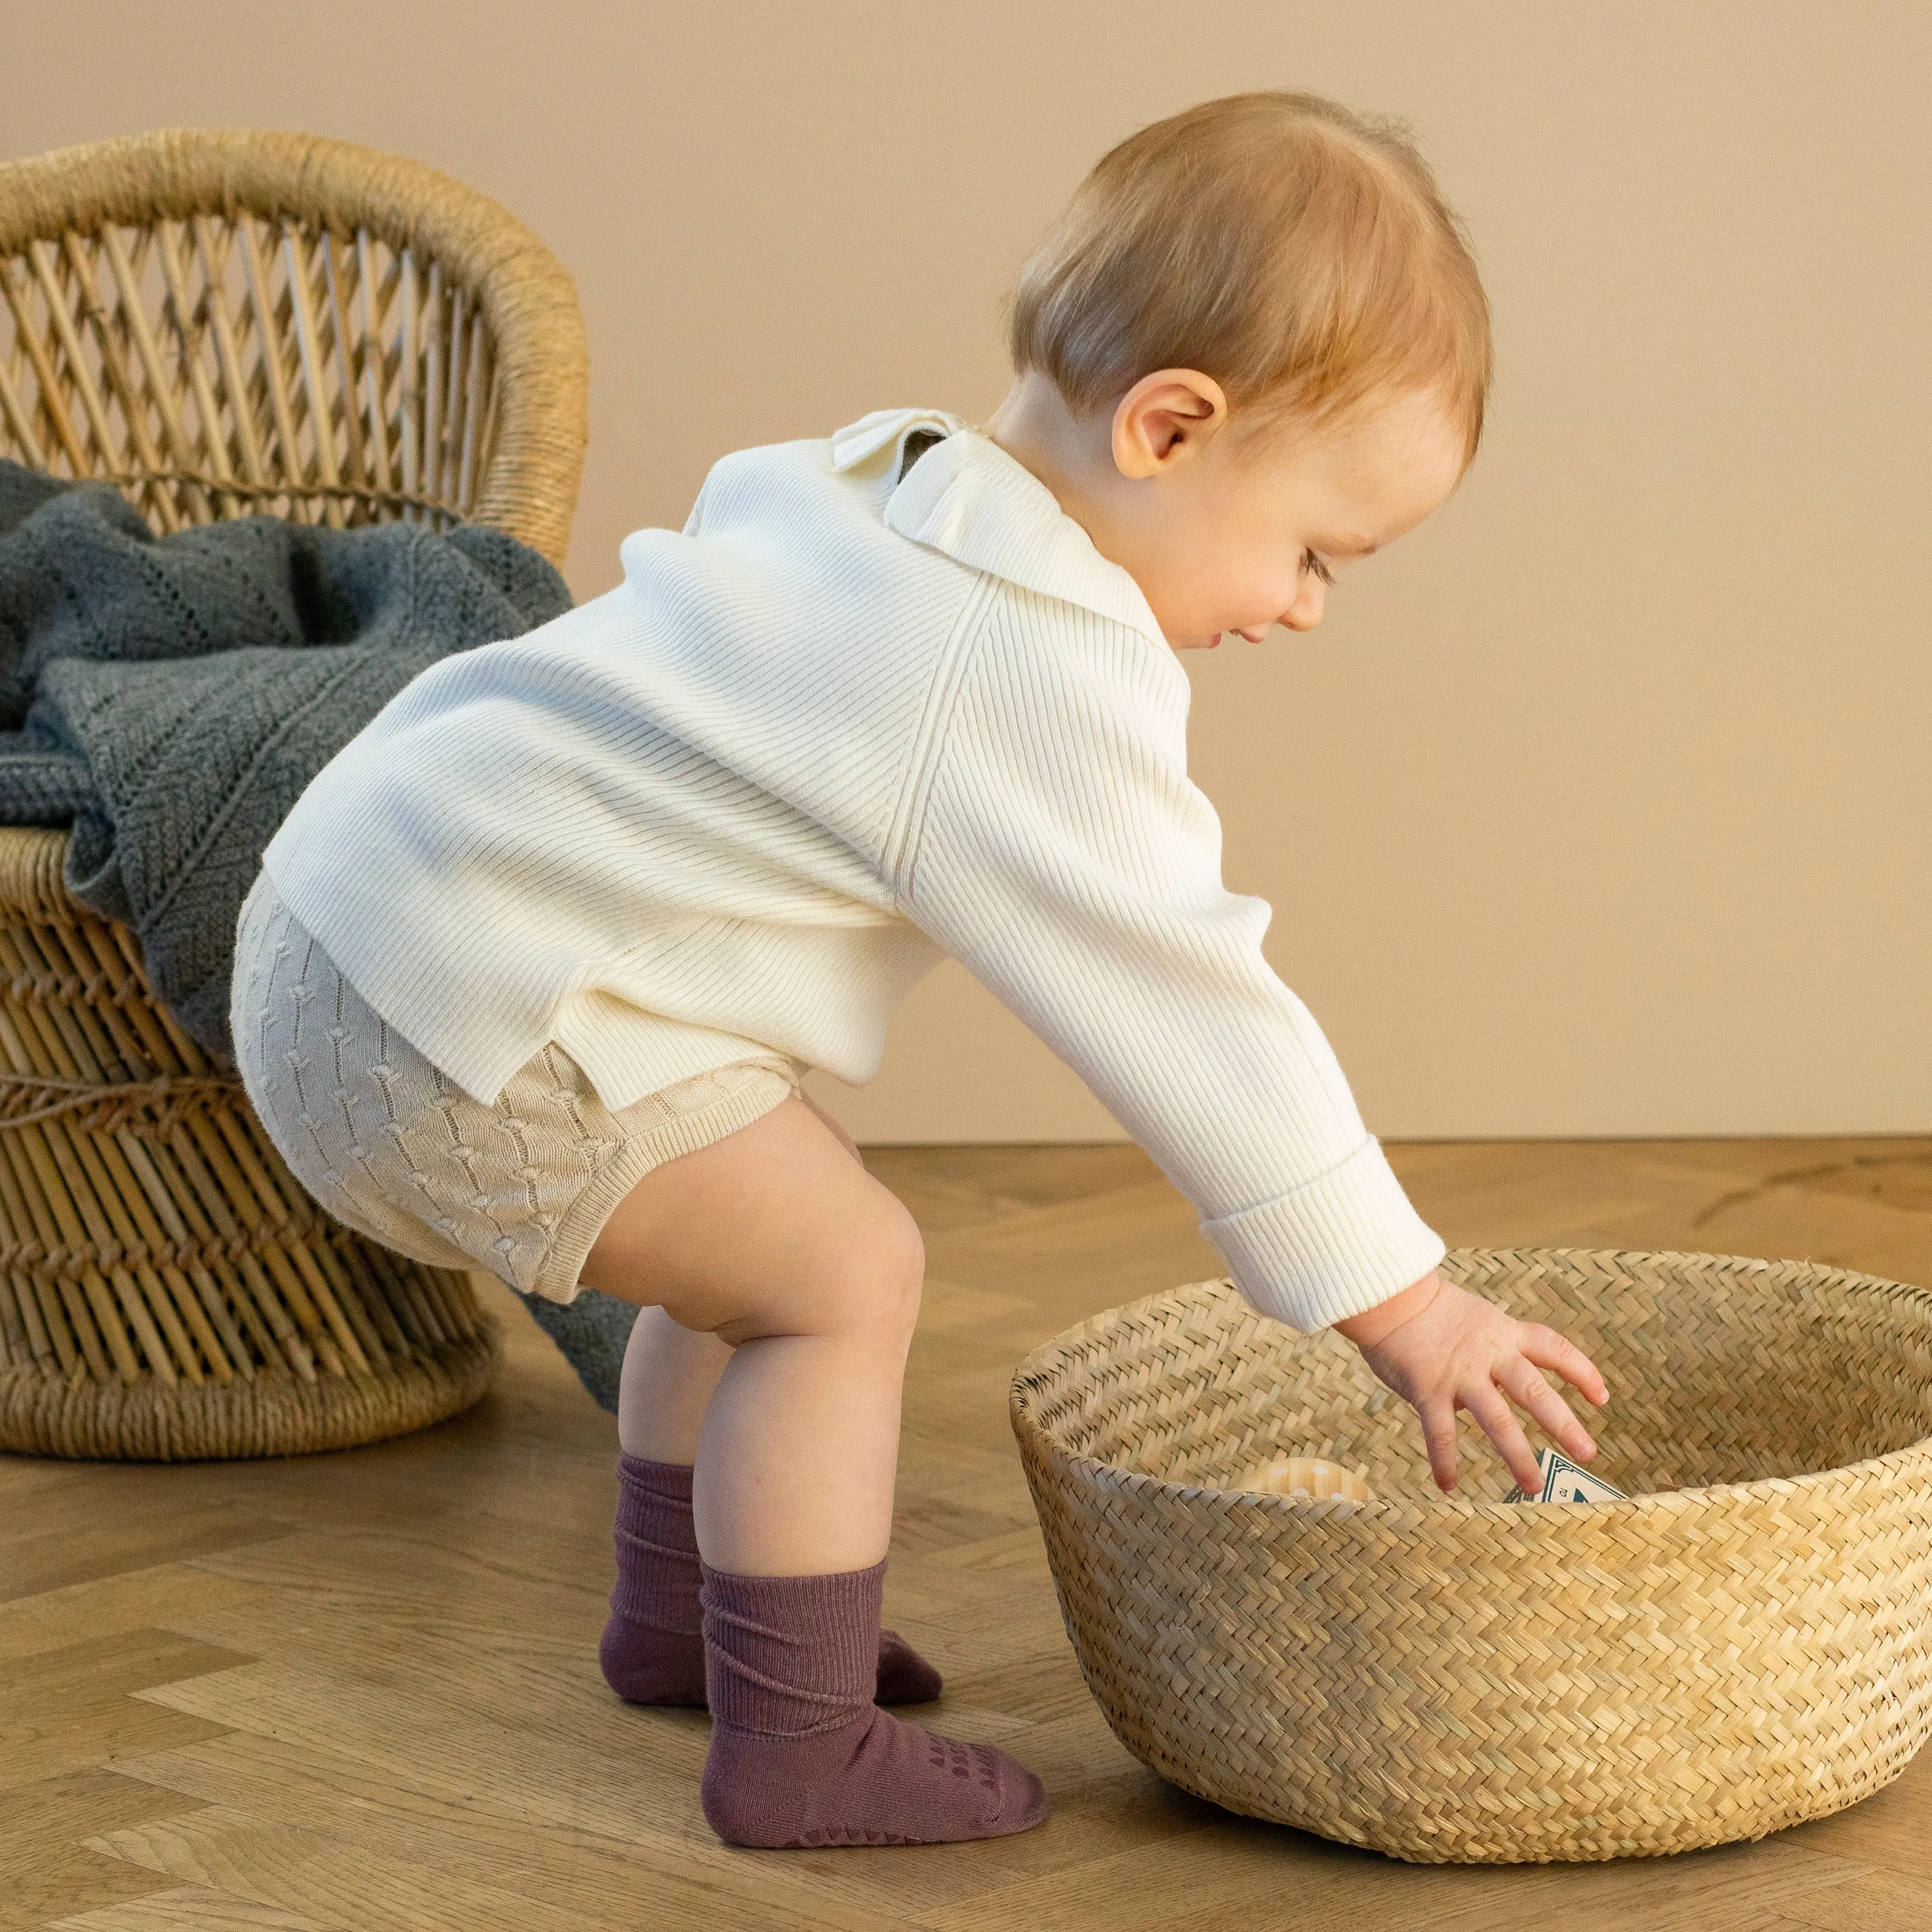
point(391, 1146)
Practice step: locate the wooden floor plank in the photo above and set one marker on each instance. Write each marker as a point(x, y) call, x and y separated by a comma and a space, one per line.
point(465, 1573)
point(137, 1599)
point(359, 1691)
point(53, 1536)
point(647, 1795)
point(308, 1873)
point(643, 1795)
point(1874, 1902)
point(437, 1827)
point(68, 1709)
point(99, 1671)
point(48, 1868)
point(194, 1909)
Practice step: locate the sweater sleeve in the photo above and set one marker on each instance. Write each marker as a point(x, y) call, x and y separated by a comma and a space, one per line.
point(1057, 849)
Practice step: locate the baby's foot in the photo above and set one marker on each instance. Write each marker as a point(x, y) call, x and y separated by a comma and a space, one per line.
point(645, 1663)
point(876, 1781)
point(904, 1676)
point(800, 1756)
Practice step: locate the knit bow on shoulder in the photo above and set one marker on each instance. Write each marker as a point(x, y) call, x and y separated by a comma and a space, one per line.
point(854, 444)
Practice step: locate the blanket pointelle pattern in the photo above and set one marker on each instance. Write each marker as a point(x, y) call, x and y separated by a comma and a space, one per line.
point(171, 697)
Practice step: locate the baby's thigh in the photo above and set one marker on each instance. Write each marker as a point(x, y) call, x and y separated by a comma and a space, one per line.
point(774, 1229)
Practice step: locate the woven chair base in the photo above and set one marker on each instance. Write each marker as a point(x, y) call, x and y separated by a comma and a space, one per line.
point(167, 1289)
point(272, 1415)
point(1745, 1644)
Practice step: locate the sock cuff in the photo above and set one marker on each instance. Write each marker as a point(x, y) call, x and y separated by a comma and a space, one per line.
point(789, 1655)
point(656, 1544)
point(662, 1482)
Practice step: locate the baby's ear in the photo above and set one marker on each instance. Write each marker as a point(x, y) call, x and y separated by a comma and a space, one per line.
point(1165, 419)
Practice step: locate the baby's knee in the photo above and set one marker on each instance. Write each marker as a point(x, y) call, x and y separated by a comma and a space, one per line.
point(858, 1277)
point(899, 1259)
point(870, 1274)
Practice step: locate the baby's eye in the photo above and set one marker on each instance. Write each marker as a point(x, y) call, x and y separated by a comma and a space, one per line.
point(1311, 563)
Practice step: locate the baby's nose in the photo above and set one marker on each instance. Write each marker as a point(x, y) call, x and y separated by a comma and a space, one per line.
point(1305, 613)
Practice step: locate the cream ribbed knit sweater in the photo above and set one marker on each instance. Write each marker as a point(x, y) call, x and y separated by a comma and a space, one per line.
point(843, 724)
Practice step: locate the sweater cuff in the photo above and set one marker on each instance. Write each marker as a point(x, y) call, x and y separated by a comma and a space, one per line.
point(1329, 1249)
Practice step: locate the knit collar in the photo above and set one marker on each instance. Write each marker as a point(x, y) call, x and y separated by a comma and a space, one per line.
point(967, 497)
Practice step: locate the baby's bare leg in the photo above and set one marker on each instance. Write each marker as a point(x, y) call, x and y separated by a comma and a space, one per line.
point(669, 1371)
point(776, 1242)
point(652, 1648)
point(669, 1374)
point(652, 1651)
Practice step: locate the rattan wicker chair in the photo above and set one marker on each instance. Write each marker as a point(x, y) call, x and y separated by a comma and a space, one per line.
point(222, 323)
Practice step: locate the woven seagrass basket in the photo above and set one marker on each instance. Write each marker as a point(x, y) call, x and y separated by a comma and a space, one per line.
point(224, 323)
point(1741, 1646)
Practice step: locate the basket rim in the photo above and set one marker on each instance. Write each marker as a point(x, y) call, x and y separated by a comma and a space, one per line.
point(530, 489)
point(1028, 1426)
point(33, 876)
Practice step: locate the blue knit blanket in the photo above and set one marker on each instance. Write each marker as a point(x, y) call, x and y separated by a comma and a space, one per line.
point(170, 697)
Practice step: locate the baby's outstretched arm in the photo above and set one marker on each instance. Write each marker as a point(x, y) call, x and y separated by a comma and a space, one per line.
point(1441, 1348)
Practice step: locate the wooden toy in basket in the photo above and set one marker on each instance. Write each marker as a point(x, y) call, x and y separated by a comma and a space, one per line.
point(1743, 1643)
point(223, 323)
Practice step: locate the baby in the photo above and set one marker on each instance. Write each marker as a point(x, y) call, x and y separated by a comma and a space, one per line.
point(533, 967)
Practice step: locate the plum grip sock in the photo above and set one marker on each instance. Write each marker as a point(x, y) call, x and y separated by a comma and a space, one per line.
point(653, 1647)
point(800, 1755)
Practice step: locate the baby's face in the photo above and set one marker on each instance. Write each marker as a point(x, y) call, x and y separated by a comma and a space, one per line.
point(1241, 538)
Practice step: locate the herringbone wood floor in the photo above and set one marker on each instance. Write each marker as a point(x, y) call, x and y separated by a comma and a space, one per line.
point(360, 1691)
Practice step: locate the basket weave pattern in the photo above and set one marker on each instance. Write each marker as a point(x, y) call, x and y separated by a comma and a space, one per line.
point(167, 1290)
point(1461, 1679)
point(223, 322)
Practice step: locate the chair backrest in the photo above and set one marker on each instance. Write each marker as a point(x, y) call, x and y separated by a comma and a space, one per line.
point(223, 321)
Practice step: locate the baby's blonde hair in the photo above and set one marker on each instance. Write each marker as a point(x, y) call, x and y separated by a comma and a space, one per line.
point(1298, 253)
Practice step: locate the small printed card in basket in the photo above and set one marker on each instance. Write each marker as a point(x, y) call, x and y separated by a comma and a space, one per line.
point(1563, 1482)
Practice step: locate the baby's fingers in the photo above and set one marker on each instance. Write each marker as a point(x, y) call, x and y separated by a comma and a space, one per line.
point(1498, 1421)
point(1549, 1350)
point(1527, 1390)
point(1438, 1435)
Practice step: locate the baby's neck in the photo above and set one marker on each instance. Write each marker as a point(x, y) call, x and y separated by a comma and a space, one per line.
point(1036, 428)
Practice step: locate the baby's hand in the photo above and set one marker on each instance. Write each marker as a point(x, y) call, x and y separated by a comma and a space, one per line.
point(1442, 1349)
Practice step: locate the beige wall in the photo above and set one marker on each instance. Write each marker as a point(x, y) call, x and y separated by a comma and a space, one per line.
point(1601, 805)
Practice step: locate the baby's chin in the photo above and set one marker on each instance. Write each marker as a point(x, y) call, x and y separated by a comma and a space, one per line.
point(1253, 633)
